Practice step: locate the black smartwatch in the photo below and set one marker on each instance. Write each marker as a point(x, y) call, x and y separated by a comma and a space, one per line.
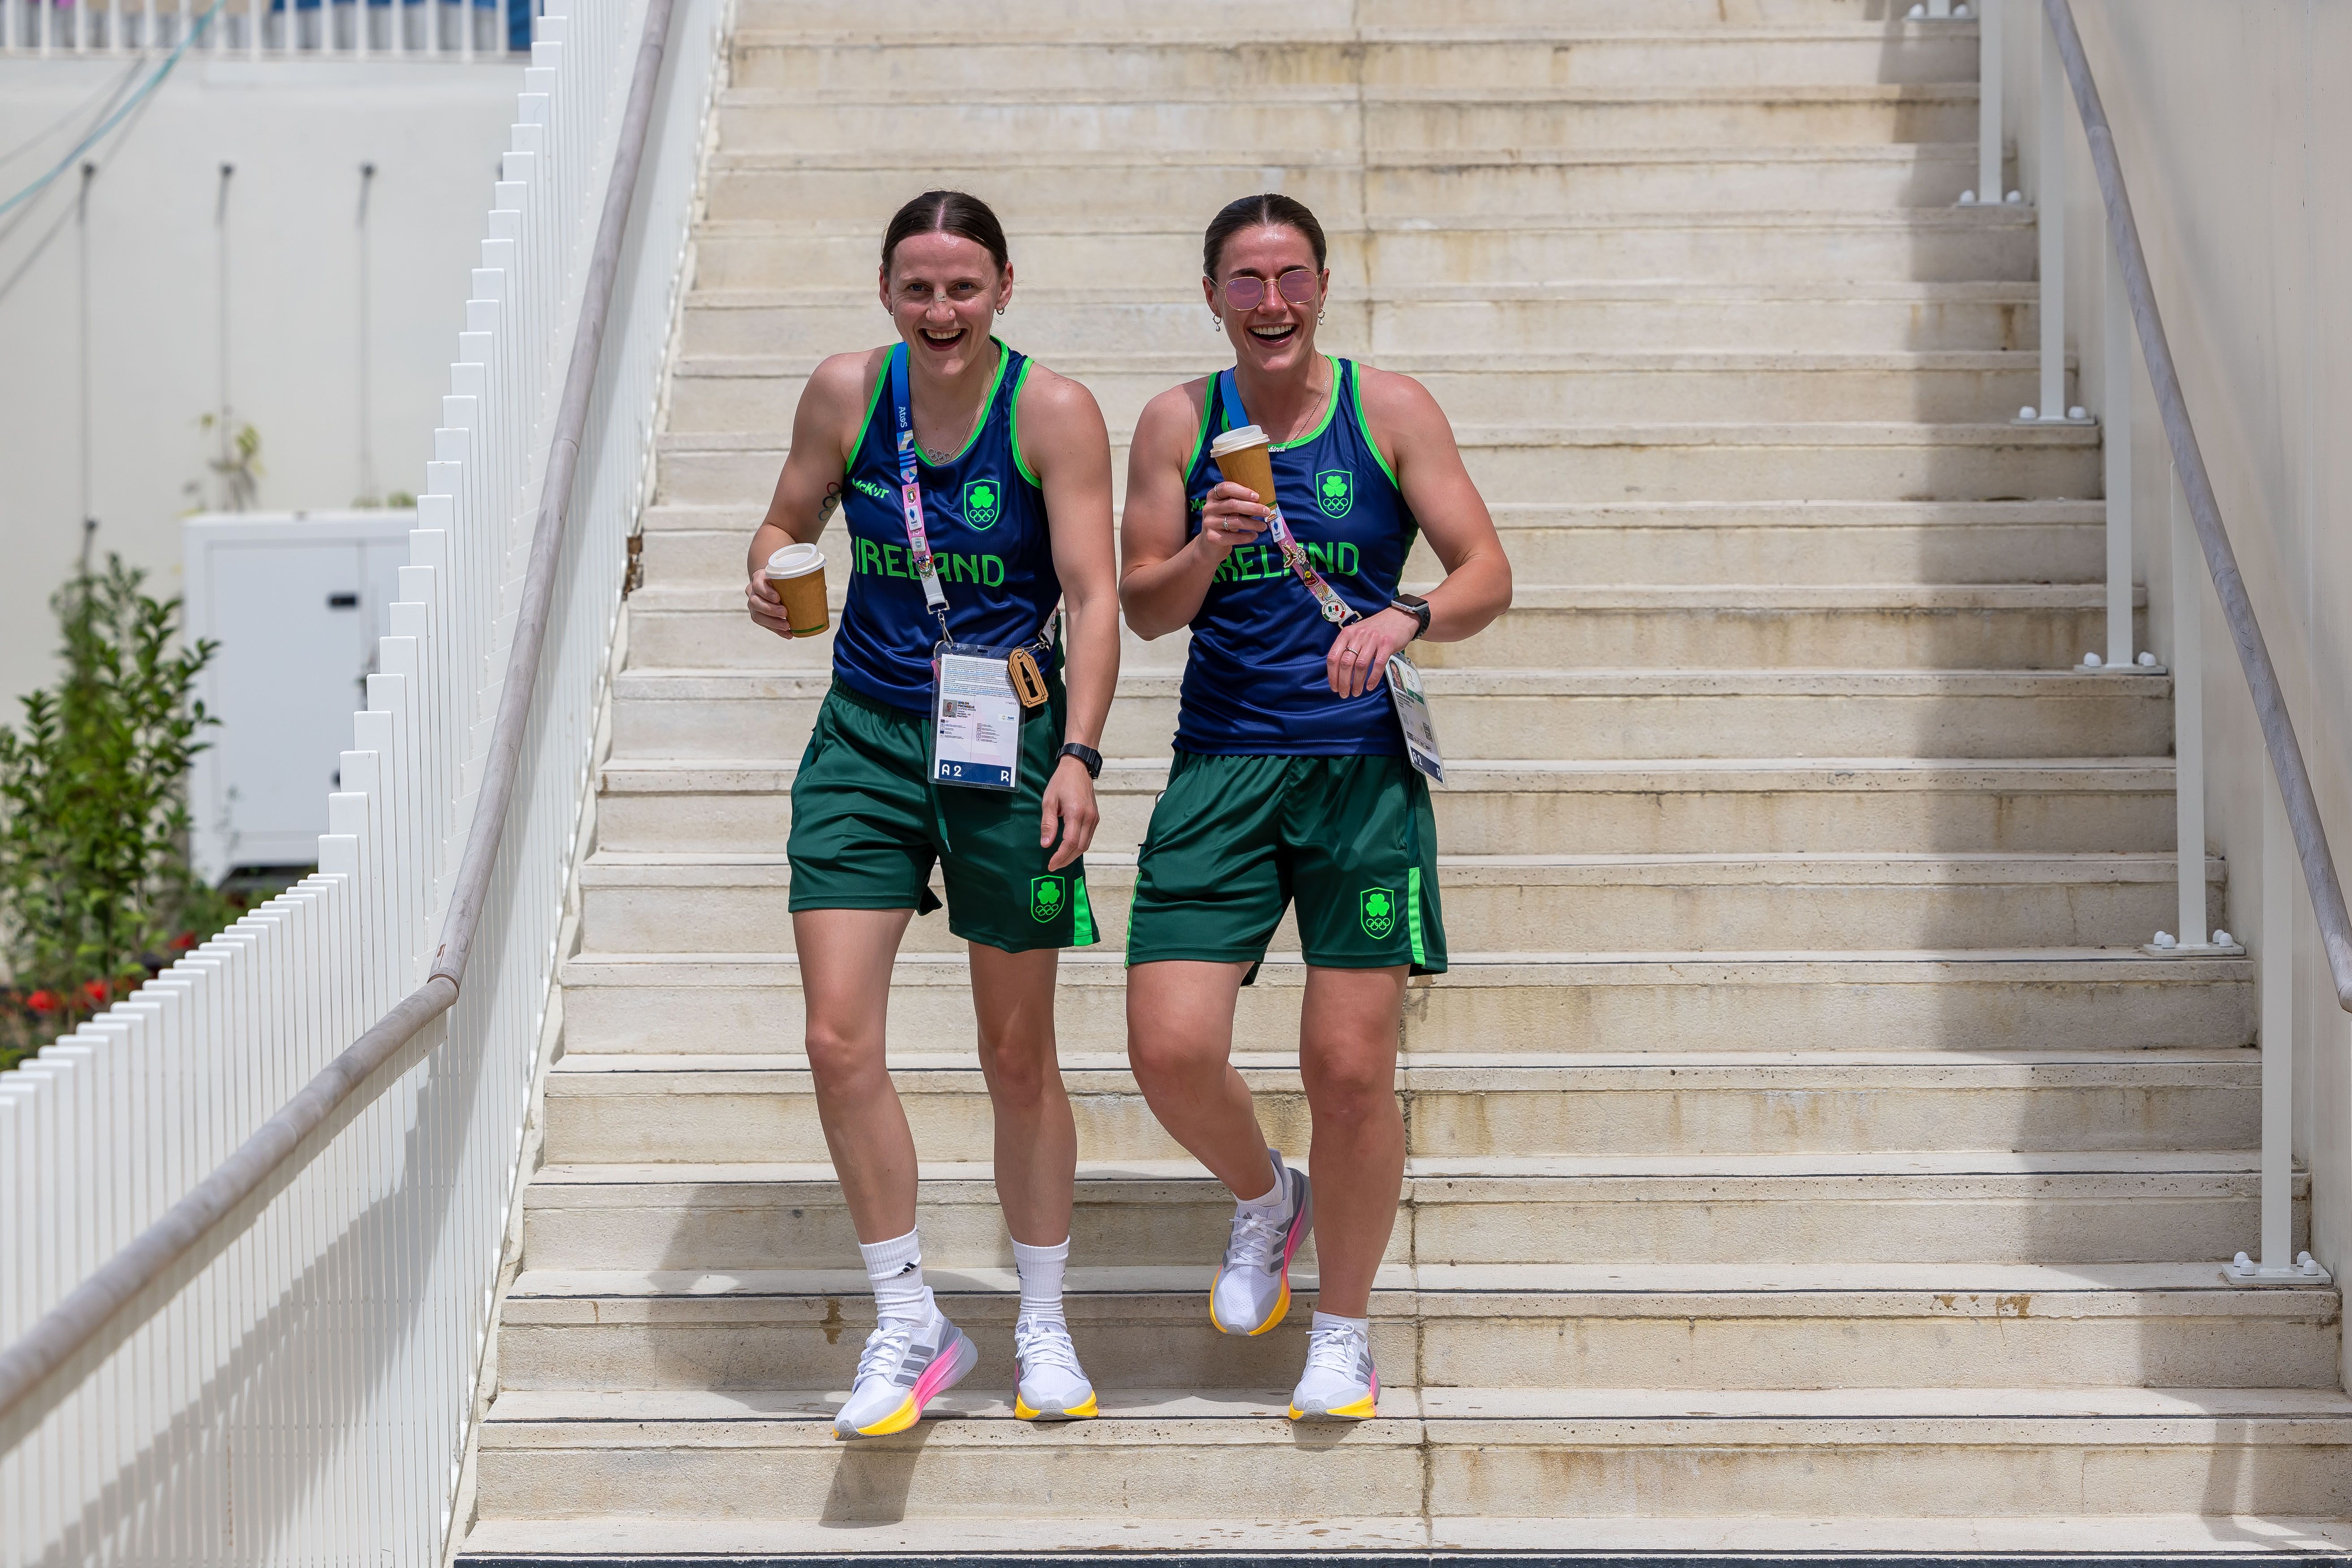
point(1416, 606)
point(1088, 758)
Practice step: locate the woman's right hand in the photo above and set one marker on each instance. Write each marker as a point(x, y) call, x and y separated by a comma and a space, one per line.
point(767, 608)
point(1230, 516)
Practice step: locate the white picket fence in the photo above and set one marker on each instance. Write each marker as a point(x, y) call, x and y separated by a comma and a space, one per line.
point(298, 1388)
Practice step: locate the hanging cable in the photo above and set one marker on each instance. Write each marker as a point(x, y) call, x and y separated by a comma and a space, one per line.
point(111, 120)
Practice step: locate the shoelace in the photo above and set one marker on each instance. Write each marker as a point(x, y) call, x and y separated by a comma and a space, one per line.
point(1256, 1234)
point(890, 1339)
point(1040, 1342)
point(1339, 1350)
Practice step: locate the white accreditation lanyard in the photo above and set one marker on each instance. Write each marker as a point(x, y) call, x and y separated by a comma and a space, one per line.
point(975, 712)
point(1406, 694)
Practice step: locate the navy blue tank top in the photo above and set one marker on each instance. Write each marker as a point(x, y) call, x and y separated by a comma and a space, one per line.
point(985, 517)
point(1254, 684)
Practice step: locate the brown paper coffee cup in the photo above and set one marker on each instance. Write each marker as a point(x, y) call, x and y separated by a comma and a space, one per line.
point(1242, 456)
point(797, 574)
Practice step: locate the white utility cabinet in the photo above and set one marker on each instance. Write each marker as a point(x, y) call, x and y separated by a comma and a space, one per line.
point(297, 601)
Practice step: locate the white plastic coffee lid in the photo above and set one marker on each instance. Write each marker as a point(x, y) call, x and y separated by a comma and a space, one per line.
point(1234, 440)
point(795, 560)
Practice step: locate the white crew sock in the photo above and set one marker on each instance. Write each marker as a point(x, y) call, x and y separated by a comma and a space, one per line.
point(1275, 1199)
point(1333, 1321)
point(1041, 1277)
point(896, 1267)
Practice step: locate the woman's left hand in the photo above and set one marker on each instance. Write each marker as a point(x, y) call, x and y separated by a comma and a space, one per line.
point(1360, 656)
point(1070, 812)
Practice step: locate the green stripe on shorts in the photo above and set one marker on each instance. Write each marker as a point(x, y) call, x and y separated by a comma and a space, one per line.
point(1412, 911)
point(1082, 917)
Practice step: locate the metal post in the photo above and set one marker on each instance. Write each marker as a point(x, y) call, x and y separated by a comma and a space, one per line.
point(2196, 938)
point(1989, 62)
point(2120, 370)
point(2050, 224)
point(2275, 974)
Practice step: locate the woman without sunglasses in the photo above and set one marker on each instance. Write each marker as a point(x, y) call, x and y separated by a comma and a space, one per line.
point(1290, 778)
point(1014, 484)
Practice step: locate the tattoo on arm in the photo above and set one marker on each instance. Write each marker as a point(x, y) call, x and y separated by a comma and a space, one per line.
point(829, 505)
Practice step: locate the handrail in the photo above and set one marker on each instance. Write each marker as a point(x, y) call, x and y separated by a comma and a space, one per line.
point(2221, 561)
point(86, 1310)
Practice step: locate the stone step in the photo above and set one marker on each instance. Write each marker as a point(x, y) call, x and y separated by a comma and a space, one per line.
point(715, 392)
point(1827, 902)
point(1072, 153)
point(1498, 807)
point(1430, 54)
point(1165, 1543)
point(1922, 245)
point(1488, 1452)
point(1675, 543)
point(1231, 21)
point(860, 119)
point(1557, 714)
point(704, 1109)
point(1987, 1002)
point(1060, 322)
point(1656, 1327)
point(1987, 1206)
point(1881, 626)
point(1645, 462)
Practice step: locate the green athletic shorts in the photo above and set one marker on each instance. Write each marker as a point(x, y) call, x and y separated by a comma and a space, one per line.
point(1233, 839)
point(867, 825)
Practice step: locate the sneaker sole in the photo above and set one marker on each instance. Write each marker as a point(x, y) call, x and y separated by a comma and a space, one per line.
point(1300, 1231)
point(944, 1372)
point(1362, 1409)
point(1085, 1412)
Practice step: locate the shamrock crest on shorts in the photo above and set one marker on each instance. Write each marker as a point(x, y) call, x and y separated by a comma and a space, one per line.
point(1377, 907)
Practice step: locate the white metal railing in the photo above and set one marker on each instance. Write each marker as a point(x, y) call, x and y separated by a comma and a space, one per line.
point(2200, 553)
point(246, 1264)
point(263, 29)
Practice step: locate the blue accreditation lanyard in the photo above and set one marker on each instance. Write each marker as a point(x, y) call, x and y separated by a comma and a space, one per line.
point(910, 494)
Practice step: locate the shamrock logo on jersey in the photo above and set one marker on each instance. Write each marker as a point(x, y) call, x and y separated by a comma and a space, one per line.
point(983, 501)
point(1045, 896)
point(1378, 912)
point(1335, 491)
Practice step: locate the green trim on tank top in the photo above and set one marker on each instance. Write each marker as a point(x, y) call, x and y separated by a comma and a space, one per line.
point(1201, 436)
point(1364, 423)
point(874, 402)
point(1330, 407)
point(1012, 427)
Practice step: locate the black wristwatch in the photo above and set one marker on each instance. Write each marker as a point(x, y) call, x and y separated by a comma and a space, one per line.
point(1416, 606)
point(1088, 758)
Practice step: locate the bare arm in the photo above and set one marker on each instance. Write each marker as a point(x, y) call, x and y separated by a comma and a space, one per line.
point(1063, 441)
point(1165, 576)
point(1412, 430)
point(808, 491)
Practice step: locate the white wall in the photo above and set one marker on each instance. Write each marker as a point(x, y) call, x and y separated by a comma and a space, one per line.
point(2230, 123)
point(297, 132)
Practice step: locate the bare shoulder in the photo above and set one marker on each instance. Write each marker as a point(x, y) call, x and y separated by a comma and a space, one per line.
point(1169, 420)
point(1397, 400)
point(1051, 401)
point(846, 381)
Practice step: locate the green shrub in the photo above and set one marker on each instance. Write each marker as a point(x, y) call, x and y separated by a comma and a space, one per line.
point(97, 891)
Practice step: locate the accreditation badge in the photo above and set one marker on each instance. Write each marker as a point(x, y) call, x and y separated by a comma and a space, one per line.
point(975, 719)
point(1413, 714)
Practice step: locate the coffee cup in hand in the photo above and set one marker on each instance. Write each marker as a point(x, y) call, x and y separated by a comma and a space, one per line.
point(1242, 456)
point(796, 573)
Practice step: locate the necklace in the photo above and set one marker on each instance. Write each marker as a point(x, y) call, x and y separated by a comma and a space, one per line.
point(942, 456)
point(1314, 413)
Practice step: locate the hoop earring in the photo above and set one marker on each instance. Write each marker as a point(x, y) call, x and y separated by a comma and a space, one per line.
point(1001, 309)
point(1322, 315)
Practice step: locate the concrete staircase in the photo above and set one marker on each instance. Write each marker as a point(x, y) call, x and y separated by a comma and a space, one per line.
point(1803, 1155)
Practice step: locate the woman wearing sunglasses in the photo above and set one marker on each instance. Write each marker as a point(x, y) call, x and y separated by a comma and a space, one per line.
point(1291, 779)
point(975, 488)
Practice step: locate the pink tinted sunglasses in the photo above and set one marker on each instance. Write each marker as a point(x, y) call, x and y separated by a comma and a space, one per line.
point(1246, 293)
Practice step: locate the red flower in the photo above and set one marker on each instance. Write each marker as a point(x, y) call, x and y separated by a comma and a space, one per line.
point(98, 991)
point(42, 1000)
point(184, 942)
